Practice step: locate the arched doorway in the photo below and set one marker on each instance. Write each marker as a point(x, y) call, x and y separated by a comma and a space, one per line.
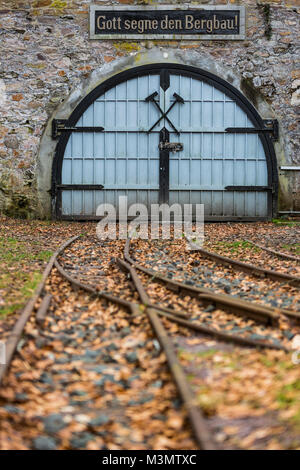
point(162, 136)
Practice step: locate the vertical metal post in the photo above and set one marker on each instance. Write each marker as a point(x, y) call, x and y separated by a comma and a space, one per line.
point(164, 136)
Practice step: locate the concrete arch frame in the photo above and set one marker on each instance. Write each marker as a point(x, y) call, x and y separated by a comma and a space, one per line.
point(50, 150)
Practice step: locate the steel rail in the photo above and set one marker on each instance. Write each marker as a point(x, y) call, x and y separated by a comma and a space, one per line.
point(125, 303)
point(223, 336)
point(79, 285)
point(196, 417)
point(280, 254)
point(198, 423)
point(153, 312)
point(196, 326)
point(132, 306)
point(43, 309)
point(135, 309)
point(257, 312)
point(261, 313)
point(14, 338)
point(250, 268)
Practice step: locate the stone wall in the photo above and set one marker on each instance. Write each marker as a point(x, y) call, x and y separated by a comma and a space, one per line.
point(45, 54)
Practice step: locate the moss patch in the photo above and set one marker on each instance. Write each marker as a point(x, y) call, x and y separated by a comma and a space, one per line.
point(293, 247)
point(58, 4)
point(288, 223)
point(18, 274)
point(127, 46)
point(235, 247)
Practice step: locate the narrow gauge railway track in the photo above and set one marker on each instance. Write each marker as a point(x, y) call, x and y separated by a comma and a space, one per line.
point(249, 268)
point(255, 311)
point(12, 342)
point(284, 244)
point(182, 317)
point(115, 373)
point(154, 312)
point(265, 315)
point(279, 254)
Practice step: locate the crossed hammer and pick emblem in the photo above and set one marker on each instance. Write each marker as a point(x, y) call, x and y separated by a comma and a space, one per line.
point(164, 115)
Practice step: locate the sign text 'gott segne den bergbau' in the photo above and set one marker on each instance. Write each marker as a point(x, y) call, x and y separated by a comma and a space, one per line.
point(167, 23)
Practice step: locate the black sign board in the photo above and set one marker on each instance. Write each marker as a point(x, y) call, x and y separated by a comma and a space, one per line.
point(167, 23)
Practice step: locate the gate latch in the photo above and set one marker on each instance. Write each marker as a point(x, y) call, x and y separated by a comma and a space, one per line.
point(171, 146)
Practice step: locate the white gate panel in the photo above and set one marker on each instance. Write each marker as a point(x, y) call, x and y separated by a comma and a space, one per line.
point(122, 159)
point(212, 159)
point(125, 158)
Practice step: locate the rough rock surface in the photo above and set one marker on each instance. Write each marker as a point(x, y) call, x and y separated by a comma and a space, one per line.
point(46, 53)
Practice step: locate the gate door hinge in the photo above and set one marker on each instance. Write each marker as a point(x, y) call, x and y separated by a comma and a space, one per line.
point(59, 126)
point(270, 127)
point(171, 146)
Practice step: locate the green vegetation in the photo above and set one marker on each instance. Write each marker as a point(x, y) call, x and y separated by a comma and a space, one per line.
point(294, 247)
point(19, 275)
point(234, 247)
point(266, 361)
point(31, 284)
point(207, 402)
point(10, 309)
point(13, 251)
point(288, 397)
point(288, 223)
point(58, 4)
point(190, 356)
point(207, 353)
point(289, 394)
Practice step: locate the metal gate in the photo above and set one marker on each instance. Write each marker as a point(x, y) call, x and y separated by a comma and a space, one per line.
point(173, 135)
